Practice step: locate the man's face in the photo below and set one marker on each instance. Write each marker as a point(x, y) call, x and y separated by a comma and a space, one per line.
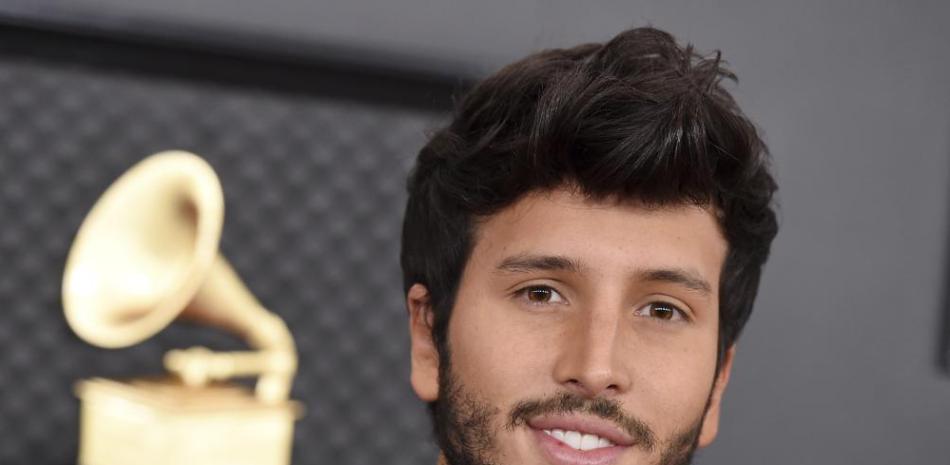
point(582, 333)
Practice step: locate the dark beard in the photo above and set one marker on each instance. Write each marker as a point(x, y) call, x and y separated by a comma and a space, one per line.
point(463, 425)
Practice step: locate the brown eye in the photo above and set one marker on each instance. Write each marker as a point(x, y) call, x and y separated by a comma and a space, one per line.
point(662, 311)
point(541, 295)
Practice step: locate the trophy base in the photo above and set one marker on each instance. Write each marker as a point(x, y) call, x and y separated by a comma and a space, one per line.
point(163, 422)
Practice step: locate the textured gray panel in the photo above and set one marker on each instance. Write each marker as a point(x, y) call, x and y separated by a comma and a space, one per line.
point(315, 193)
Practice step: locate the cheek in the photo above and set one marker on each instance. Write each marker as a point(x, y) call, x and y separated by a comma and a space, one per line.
point(673, 379)
point(495, 355)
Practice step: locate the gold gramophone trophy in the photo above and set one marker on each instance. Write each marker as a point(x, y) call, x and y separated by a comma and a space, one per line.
point(145, 255)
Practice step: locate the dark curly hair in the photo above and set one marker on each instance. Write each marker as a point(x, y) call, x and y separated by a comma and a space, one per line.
point(638, 118)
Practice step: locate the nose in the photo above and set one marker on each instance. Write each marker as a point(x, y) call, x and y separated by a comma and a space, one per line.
point(590, 362)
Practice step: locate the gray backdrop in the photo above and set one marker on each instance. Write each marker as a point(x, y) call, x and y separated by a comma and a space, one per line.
point(314, 196)
point(838, 364)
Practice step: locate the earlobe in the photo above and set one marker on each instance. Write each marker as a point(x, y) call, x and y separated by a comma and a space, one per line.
point(423, 353)
point(710, 427)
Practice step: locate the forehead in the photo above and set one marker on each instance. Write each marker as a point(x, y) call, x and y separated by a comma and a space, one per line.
point(602, 236)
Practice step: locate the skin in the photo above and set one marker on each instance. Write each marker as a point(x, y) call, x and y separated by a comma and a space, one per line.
point(564, 296)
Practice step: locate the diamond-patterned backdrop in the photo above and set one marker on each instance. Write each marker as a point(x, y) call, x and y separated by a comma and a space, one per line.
point(314, 191)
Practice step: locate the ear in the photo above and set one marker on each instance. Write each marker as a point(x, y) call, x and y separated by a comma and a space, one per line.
point(711, 421)
point(423, 353)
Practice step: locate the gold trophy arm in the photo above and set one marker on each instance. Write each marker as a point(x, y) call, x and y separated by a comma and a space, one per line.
point(199, 366)
point(225, 302)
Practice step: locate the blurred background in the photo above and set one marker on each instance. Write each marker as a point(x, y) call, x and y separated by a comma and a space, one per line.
point(312, 112)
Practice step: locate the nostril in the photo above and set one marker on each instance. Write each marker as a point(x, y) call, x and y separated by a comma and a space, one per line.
point(576, 385)
point(591, 389)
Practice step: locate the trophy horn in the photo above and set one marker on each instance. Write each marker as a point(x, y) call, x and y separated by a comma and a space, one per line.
point(147, 254)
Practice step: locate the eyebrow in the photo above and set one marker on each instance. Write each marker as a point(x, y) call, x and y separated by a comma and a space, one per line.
point(526, 263)
point(686, 278)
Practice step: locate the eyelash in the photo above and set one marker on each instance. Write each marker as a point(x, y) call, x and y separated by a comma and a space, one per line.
point(525, 294)
point(677, 314)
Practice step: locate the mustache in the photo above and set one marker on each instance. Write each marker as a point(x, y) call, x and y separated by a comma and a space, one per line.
point(569, 403)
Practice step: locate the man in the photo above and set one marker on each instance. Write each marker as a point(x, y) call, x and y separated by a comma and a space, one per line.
point(582, 246)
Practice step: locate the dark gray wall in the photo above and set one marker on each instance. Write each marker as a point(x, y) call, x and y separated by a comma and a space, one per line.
point(838, 363)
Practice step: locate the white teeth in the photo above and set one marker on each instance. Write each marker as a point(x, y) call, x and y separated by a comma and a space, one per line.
point(573, 439)
point(579, 441)
point(589, 441)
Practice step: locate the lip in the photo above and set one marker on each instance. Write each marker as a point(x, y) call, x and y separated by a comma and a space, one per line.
point(582, 424)
point(558, 453)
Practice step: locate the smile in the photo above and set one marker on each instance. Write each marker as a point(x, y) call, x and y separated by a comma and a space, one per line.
point(578, 440)
point(570, 450)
